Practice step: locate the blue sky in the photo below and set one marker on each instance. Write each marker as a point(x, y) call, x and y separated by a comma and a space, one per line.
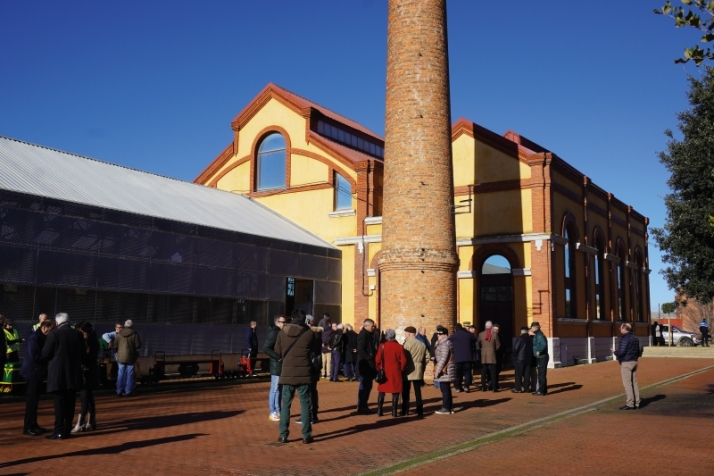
point(155, 84)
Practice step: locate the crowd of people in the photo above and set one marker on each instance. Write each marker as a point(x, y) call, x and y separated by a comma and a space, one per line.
point(65, 356)
point(301, 353)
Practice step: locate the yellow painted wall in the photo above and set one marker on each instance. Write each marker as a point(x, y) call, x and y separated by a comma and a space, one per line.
point(498, 213)
point(304, 171)
point(237, 180)
point(494, 166)
point(310, 210)
point(272, 113)
point(464, 154)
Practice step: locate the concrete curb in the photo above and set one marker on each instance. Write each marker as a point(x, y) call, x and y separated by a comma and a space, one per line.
point(514, 430)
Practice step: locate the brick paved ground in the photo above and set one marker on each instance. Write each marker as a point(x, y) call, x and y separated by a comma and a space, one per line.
point(670, 435)
point(225, 430)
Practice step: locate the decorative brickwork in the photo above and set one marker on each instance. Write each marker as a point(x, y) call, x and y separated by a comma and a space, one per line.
point(418, 263)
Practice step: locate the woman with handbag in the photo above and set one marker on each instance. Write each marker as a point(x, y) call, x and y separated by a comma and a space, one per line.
point(391, 362)
point(444, 370)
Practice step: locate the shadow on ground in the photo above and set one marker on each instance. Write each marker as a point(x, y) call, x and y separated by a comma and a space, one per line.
point(107, 450)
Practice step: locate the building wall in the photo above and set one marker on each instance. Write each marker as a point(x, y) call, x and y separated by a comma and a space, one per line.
point(512, 198)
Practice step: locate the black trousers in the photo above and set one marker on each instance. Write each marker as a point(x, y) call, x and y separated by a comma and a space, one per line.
point(447, 401)
point(541, 370)
point(314, 399)
point(86, 396)
point(64, 410)
point(32, 394)
point(463, 374)
point(489, 370)
point(523, 376)
point(406, 391)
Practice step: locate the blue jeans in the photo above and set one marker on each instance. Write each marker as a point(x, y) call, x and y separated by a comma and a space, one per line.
point(125, 378)
point(335, 369)
point(349, 370)
point(274, 396)
point(365, 387)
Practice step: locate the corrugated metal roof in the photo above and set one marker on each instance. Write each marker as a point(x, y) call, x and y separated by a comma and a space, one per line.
point(41, 171)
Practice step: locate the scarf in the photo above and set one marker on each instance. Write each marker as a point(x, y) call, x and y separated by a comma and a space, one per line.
point(488, 334)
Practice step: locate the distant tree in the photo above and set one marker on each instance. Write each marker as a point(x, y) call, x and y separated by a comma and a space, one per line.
point(703, 20)
point(669, 307)
point(686, 240)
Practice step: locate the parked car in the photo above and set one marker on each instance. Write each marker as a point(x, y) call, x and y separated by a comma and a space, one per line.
point(681, 338)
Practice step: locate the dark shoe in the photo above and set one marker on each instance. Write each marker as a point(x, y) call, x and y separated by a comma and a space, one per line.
point(516, 391)
point(31, 432)
point(57, 436)
point(627, 408)
point(39, 429)
point(539, 394)
point(364, 411)
point(467, 390)
point(395, 406)
point(496, 390)
point(307, 441)
point(420, 412)
point(298, 421)
point(282, 440)
point(380, 405)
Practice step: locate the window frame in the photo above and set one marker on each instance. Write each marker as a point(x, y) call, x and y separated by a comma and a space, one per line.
point(259, 162)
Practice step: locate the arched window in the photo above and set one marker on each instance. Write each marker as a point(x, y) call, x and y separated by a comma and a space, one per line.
point(343, 193)
point(622, 283)
point(638, 288)
point(599, 272)
point(569, 260)
point(271, 162)
point(496, 301)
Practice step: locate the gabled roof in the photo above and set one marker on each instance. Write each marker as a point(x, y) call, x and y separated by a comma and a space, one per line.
point(297, 103)
point(40, 171)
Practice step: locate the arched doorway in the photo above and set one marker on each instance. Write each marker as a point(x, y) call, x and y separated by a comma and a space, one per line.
point(496, 296)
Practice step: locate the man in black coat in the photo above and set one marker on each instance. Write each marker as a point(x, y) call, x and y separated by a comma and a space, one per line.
point(34, 371)
point(522, 356)
point(463, 343)
point(366, 348)
point(63, 352)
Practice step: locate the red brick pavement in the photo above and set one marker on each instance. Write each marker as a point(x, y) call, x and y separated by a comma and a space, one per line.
point(669, 435)
point(225, 430)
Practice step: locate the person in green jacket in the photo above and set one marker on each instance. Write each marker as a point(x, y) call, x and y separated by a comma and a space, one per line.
point(540, 354)
point(276, 366)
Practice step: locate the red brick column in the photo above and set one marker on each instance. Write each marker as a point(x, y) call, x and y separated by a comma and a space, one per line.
point(419, 262)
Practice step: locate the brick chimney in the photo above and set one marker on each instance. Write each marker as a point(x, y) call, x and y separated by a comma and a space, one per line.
point(418, 261)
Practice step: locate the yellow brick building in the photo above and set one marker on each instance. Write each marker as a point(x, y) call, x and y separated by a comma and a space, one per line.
point(537, 240)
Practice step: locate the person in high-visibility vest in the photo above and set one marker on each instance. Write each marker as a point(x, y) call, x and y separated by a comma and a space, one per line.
point(3, 355)
point(13, 342)
point(42, 318)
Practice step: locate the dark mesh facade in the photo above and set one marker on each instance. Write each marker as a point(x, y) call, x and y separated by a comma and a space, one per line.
point(104, 266)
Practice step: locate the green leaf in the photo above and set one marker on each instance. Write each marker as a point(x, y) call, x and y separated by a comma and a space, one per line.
point(708, 37)
point(687, 2)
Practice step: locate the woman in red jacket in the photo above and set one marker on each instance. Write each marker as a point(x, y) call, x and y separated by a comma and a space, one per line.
point(390, 357)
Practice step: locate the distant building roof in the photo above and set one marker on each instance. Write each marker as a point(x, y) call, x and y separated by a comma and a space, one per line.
point(40, 171)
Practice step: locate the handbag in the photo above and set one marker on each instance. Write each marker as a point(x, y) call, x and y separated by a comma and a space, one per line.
point(381, 376)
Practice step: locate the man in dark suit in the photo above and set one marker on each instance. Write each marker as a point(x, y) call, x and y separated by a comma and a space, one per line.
point(522, 357)
point(63, 354)
point(365, 363)
point(34, 371)
point(463, 343)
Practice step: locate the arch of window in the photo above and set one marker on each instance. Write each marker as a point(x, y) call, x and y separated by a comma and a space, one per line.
point(599, 274)
point(271, 162)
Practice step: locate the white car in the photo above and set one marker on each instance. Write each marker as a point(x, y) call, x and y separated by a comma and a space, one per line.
point(680, 337)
